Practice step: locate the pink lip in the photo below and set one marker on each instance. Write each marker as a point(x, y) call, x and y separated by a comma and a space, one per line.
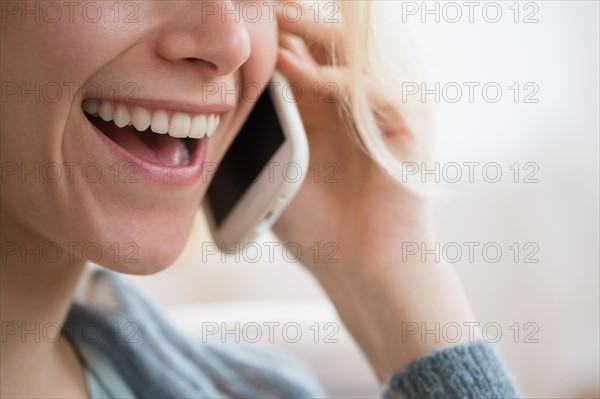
point(177, 176)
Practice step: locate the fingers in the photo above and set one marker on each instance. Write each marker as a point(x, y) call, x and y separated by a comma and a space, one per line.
point(303, 19)
point(299, 62)
point(333, 86)
point(295, 68)
point(298, 47)
point(296, 61)
point(330, 83)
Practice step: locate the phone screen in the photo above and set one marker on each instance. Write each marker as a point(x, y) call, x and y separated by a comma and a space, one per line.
point(257, 142)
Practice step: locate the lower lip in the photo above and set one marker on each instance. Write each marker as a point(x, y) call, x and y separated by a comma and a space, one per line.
point(179, 176)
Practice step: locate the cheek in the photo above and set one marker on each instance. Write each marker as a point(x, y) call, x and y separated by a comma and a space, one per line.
point(44, 67)
point(65, 52)
point(254, 75)
point(263, 38)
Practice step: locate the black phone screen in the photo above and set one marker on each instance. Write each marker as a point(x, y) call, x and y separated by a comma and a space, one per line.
point(257, 142)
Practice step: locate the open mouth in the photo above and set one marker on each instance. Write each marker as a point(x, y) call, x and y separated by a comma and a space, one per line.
point(158, 136)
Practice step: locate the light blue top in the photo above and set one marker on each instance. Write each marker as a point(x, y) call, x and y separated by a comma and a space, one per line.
point(103, 382)
point(161, 363)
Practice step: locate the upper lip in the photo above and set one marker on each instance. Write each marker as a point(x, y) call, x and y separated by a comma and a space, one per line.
point(172, 105)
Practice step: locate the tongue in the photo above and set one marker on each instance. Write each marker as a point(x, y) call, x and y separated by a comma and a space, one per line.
point(157, 148)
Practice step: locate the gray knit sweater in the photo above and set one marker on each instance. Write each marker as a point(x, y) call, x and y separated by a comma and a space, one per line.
point(161, 363)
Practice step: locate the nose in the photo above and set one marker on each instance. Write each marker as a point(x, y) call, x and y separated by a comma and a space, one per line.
point(205, 33)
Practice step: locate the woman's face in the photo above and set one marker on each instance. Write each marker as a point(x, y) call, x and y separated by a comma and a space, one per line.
point(122, 198)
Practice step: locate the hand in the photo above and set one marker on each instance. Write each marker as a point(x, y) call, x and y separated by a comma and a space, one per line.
point(361, 216)
point(348, 207)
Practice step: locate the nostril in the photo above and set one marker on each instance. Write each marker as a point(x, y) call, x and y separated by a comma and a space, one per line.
point(199, 61)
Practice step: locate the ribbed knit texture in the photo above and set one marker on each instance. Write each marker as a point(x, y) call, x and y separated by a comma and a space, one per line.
point(472, 370)
point(157, 361)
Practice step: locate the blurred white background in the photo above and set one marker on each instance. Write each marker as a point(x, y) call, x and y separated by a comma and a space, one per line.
point(559, 295)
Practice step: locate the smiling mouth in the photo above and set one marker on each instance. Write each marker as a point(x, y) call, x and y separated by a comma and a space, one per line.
point(158, 136)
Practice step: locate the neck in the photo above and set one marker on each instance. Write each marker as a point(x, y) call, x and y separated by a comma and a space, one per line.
point(35, 296)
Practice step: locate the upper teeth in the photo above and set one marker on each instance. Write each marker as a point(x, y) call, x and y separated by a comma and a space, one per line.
point(179, 124)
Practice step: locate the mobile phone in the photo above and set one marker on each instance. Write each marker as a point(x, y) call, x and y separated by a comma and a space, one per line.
point(261, 172)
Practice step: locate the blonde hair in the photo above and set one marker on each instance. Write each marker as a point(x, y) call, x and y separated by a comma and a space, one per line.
point(376, 44)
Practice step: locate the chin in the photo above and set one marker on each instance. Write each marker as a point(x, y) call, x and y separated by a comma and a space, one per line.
point(137, 261)
point(142, 243)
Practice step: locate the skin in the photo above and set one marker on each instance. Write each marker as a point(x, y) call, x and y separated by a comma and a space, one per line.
point(169, 55)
